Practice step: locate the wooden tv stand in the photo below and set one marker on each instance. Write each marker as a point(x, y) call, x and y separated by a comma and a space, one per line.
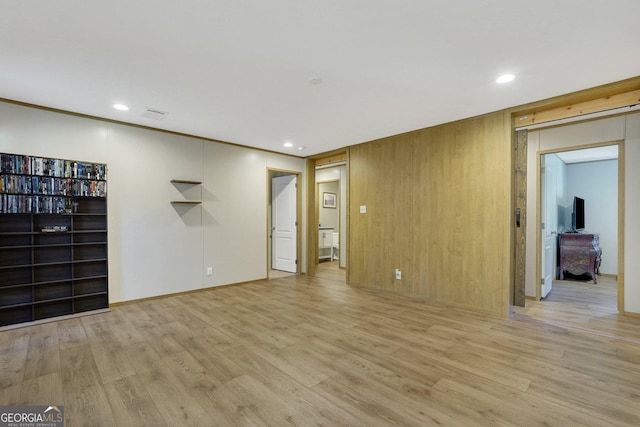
point(580, 254)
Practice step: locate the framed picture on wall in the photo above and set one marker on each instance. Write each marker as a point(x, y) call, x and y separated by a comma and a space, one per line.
point(329, 200)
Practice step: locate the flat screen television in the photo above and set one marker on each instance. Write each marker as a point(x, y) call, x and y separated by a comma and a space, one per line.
point(577, 217)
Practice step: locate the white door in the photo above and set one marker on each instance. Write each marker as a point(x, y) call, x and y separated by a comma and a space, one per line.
point(283, 223)
point(549, 215)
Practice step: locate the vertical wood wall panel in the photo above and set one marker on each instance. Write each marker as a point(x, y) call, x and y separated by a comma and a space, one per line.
point(438, 209)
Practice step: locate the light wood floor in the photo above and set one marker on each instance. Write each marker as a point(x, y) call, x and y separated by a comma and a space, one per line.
point(582, 306)
point(313, 351)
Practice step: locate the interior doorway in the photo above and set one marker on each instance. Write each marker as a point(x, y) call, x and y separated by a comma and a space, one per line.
point(314, 165)
point(594, 173)
point(587, 171)
point(331, 213)
point(283, 229)
point(589, 175)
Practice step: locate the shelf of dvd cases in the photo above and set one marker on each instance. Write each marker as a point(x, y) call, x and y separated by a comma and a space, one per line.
point(53, 238)
point(41, 185)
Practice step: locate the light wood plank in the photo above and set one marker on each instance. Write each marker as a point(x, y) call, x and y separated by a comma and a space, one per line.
point(142, 356)
point(578, 109)
point(12, 366)
point(173, 399)
point(71, 332)
point(85, 399)
point(131, 404)
point(313, 351)
point(44, 390)
point(111, 361)
point(43, 357)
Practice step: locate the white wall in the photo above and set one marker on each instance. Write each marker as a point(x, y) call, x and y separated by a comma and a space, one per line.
point(625, 128)
point(235, 207)
point(157, 248)
point(597, 184)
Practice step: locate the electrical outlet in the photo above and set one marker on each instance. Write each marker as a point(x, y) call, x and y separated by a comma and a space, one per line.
point(398, 274)
point(209, 271)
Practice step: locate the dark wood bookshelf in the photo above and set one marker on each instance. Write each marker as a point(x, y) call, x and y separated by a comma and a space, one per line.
point(53, 264)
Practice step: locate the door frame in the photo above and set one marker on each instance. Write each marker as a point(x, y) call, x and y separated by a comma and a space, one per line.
point(337, 156)
point(542, 189)
point(620, 279)
point(517, 296)
point(272, 173)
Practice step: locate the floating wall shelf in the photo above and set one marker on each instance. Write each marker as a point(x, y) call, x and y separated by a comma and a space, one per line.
point(185, 182)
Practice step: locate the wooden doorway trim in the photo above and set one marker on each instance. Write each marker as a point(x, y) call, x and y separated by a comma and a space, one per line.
point(520, 214)
point(552, 111)
point(605, 103)
point(339, 156)
point(621, 204)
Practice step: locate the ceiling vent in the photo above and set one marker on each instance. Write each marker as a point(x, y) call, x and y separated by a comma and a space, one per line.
point(154, 114)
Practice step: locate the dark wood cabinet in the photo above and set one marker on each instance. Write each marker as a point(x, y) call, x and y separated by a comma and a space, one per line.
point(52, 263)
point(580, 254)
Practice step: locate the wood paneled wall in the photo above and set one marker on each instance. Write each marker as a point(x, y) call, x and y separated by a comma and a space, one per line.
point(438, 208)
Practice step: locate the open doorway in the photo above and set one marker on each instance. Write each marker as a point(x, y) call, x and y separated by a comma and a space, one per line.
point(578, 234)
point(328, 249)
point(331, 214)
point(282, 225)
point(579, 215)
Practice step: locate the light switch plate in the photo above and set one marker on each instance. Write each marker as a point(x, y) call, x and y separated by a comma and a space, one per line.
point(363, 209)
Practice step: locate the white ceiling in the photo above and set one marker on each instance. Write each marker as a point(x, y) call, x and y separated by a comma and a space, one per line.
point(608, 152)
point(239, 70)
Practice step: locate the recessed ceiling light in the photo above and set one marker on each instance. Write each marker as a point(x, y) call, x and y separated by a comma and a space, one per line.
point(288, 144)
point(315, 80)
point(301, 148)
point(120, 107)
point(505, 78)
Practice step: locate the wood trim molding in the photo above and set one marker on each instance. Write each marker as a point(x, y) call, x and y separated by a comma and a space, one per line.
point(579, 109)
point(621, 225)
point(342, 157)
point(312, 218)
point(174, 294)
